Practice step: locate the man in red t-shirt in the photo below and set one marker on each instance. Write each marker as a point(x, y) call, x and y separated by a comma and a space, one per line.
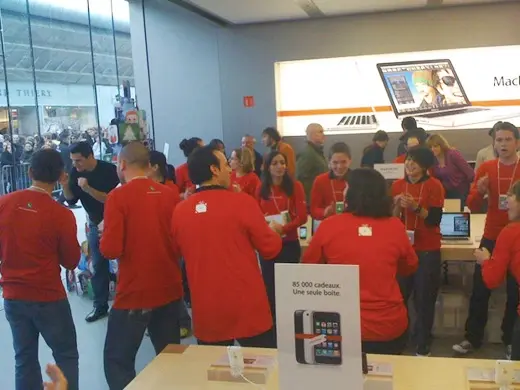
point(217, 232)
point(149, 286)
point(419, 199)
point(38, 236)
point(493, 179)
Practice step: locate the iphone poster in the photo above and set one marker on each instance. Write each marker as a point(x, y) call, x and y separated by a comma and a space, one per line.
point(318, 326)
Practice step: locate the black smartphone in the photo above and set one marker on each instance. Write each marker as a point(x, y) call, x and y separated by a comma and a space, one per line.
point(329, 325)
point(303, 232)
point(298, 330)
point(364, 363)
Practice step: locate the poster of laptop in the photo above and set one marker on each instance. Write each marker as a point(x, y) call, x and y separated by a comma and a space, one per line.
point(444, 89)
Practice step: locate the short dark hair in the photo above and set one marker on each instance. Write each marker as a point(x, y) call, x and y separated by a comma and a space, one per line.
point(273, 133)
point(46, 166)
point(159, 159)
point(418, 133)
point(492, 131)
point(82, 148)
point(367, 194)
point(409, 123)
point(189, 145)
point(422, 156)
point(506, 126)
point(267, 181)
point(340, 147)
point(200, 162)
point(380, 136)
point(215, 142)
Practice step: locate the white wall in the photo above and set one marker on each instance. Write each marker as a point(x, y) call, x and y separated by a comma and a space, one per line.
point(184, 69)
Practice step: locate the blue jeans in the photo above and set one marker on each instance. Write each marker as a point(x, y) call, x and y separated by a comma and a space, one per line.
point(53, 320)
point(125, 333)
point(101, 278)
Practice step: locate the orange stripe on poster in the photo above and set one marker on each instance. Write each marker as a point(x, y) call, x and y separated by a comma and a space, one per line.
point(360, 110)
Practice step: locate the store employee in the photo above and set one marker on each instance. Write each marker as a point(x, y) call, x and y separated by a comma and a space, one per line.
point(90, 181)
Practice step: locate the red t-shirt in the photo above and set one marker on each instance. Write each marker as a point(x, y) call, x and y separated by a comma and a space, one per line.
point(496, 219)
point(182, 177)
point(381, 256)
point(506, 256)
point(137, 232)
point(217, 231)
point(428, 192)
point(247, 183)
point(279, 202)
point(37, 235)
point(171, 185)
point(326, 191)
point(400, 159)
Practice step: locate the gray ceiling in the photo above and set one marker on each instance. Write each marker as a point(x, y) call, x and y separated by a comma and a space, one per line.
point(62, 50)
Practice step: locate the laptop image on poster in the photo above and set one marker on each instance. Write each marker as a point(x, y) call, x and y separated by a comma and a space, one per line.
point(432, 93)
point(456, 228)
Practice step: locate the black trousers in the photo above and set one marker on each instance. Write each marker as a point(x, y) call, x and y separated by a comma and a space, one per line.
point(515, 355)
point(290, 253)
point(479, 302)
point(391, 347)
point(263, 340)
point(424, 285)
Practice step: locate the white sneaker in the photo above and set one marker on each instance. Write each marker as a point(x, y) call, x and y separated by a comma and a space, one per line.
point(509, 351)
point(463, 348)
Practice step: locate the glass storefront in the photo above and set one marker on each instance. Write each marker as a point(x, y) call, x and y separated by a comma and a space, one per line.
point(63, 64)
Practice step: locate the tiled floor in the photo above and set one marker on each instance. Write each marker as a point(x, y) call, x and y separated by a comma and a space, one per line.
point(91, 338)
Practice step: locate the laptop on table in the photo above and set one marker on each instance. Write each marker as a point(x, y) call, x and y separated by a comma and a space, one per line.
point(432, 93)
point(456, 228)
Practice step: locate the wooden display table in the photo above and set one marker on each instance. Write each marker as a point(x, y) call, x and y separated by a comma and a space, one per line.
point(185, 367)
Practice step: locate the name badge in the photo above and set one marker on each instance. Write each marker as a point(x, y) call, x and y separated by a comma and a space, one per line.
point(502, 202)
point(411, 236)
point(340, 207)
point(365, 231)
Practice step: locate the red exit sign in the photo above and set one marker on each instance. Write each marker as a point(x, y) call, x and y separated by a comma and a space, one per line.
point(249, 101)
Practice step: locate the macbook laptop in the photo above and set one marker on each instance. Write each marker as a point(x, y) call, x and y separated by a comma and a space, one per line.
point(456, 228)
point(432, 93)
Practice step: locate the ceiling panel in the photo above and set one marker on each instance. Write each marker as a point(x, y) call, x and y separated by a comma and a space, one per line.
point(247, 11)
point(342, 7)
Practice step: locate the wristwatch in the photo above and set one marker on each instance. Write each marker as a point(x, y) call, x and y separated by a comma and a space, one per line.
point(418, 209)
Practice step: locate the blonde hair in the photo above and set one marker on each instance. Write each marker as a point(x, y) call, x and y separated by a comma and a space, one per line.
point(438, 140)
point(246, 159)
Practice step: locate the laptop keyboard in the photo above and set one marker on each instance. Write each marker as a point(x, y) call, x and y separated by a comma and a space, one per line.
point(358, 120)
point(454, 112)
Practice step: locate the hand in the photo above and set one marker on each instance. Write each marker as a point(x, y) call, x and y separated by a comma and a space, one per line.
point(64, 179)
point(236, 188)
point(483, 185)
point(329, 211)
point(276, 227)
point(408, 202)
point(397, 200)
point(58, 379)
point(482, 255)
point(83, 184)
point(189, 191)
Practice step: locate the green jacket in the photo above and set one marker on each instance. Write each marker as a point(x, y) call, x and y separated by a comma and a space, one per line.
point(309, 164)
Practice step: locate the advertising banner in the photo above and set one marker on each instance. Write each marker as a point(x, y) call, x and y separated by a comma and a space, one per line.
point(446, 89)
point(318, 326)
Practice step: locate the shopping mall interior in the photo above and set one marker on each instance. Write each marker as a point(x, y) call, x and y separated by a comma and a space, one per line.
point(226, 69)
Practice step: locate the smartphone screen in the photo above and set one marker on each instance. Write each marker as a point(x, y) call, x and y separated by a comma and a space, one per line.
point(303, 232)
point(328, 324)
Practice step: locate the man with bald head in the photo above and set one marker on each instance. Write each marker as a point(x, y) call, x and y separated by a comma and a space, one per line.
point(312, 162)
point(248, 141)
point(149, 289)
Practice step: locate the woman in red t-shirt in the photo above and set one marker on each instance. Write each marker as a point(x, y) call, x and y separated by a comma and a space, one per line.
point(368, 236)
point(159, 171)
point(184, 183)
point(418, 201)
point(243, 177)
point(282, 200)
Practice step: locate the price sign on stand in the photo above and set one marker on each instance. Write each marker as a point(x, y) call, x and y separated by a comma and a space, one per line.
point(318, 326)
point(390, 171)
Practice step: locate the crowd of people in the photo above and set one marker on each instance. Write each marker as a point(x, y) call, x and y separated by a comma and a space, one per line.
point(213, 228)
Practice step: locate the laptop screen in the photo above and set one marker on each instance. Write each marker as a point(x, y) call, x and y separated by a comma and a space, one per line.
point(422, 86)
point(455, 225)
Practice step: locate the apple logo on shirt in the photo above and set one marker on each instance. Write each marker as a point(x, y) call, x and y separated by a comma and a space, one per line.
point(201, 207)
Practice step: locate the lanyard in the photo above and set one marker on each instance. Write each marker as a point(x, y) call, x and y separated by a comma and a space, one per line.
point(418, 202)
point(276, 203)
point(333, 191)
point(39, 189)
point(512, 177)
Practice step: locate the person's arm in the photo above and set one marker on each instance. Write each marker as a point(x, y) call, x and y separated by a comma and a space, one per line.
point(112, 181)
point(396, 191)
point(71, 190)
point(264, 239)
point(476, 200)
point(69, 249)
point(317, 202)
point(111, 243)
point(100, 196)
point(291, 159)
point(408, 261)
point(300, 207)
point(494, 270)
point(462, 165)
point(432, 214)
point(314, 252)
